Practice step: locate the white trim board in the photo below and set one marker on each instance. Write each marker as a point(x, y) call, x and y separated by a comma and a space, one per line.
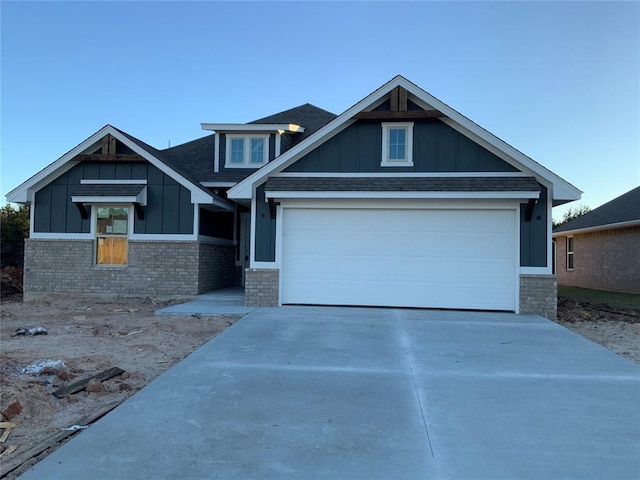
point(421, 194)
point(112, 182)
point(218, 184)
point(61, 236)
point(401, 174)
point(253, 127)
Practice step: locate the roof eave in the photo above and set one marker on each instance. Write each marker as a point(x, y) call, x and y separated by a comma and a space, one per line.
point(598, 228)
point(253, 127)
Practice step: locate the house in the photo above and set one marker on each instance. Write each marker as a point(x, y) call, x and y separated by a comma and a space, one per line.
point(601, 249)
point(398, 201)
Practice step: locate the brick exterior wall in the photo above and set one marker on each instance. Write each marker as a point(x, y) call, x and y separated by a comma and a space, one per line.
point(261, 287)
point(216, 267)
point(605, 260)
point(154, 268)
point(539, 295)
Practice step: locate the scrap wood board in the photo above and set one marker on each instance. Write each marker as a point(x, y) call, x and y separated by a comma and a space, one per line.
point(81, 384)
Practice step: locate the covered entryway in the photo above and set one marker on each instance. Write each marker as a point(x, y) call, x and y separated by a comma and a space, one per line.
point(359, 254)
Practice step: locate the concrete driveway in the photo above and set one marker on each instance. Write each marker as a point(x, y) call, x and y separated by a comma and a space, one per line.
point(346, 393)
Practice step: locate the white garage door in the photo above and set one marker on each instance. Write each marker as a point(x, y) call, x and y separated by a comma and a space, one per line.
point(399, 257)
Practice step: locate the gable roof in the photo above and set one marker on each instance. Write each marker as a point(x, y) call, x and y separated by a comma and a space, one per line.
point(562, 190)
point(623, 211)
point(190, 163)
point(199, 194)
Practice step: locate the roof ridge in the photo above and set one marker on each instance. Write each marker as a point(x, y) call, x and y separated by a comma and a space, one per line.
point(289, 111)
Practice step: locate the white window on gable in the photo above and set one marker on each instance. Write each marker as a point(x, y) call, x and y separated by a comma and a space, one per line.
point(246, 151)
point(397, 144)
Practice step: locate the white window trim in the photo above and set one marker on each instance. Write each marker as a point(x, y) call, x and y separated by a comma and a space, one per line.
point(386, 128)
point(570, 252)
point(95, 235)
point(246, 151)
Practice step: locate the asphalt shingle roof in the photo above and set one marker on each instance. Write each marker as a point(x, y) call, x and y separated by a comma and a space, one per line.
point(403, 184)
point(309, 116)
point(108, 190)
point(625, 208)
point(196, 156)
point(171, 163)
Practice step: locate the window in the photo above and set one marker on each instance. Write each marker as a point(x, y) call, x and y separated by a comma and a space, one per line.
point(112, 225)
point(569, 253)
point(246, 152)
point(397, 144)
point(237, 150)
point(257, 150)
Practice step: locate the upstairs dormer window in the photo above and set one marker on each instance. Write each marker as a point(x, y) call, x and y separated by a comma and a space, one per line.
point(247, 151)
point(397, 144)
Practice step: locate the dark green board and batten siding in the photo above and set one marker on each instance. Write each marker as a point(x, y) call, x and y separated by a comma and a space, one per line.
point(168, 211)
point(265, 229)
point(533, 233)
point(436, 148)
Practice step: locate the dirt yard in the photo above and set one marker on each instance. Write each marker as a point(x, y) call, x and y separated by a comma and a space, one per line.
point(89, 336)
point(615, 328)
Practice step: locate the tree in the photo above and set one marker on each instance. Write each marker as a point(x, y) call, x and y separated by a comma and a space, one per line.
point(14, 228)
point(571, 214)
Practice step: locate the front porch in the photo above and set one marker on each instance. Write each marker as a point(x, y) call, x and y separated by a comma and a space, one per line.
point(226, 301)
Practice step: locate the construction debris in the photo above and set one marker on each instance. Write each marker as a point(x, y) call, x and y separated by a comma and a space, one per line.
point(8, 428)
point(73, 428)
point(11, 279)
point(44, 366)
point(11, 410)
point(14, 462)
point(31, 331)
point(82, 384)
point(10, 449)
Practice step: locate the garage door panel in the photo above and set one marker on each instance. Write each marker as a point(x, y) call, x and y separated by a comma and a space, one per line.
point(421, 258)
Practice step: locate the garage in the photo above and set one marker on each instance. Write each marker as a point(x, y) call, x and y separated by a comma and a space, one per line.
point(392, 255)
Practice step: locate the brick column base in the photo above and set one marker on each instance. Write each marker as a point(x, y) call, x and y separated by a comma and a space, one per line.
point(539, 295)
point(261, 287)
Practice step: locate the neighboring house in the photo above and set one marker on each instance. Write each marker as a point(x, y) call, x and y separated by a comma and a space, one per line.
point(398, 201)
point(601, 249)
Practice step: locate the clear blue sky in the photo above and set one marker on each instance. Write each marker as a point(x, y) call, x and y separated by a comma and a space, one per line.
point(560, 81)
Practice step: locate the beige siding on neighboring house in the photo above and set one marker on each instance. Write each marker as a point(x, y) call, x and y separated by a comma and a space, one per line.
point(606, 260)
